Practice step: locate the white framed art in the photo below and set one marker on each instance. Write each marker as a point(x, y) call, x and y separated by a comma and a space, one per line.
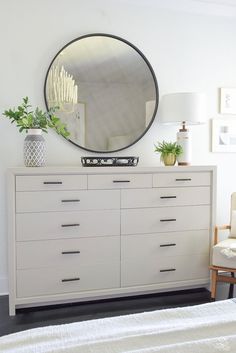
point(224, 135)
point(228, 100)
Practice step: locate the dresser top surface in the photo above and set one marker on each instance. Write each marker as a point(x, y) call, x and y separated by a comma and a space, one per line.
point(107, 170)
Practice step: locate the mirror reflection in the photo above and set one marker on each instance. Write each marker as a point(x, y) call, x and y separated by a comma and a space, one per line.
point(106, 92)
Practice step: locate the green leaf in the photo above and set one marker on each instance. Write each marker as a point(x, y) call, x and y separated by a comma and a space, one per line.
point(168, 147)
point(25, 118)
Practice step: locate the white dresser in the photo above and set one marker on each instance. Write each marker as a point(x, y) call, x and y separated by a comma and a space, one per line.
point(89, 233)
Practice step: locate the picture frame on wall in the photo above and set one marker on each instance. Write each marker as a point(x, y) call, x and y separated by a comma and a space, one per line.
point(224, 135)
point(228, 100)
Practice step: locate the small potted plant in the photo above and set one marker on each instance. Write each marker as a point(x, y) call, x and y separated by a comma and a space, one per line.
point(169, 152)
point(34, 122)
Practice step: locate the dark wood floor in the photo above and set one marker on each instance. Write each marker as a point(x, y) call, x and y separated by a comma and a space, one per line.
point(55, 315)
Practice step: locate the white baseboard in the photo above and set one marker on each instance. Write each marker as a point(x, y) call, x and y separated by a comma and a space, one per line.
point(3, 285)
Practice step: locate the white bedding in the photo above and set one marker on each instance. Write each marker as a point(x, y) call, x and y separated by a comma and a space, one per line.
point(207, 328)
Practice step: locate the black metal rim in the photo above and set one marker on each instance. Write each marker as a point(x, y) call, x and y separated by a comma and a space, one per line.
point(147, 63)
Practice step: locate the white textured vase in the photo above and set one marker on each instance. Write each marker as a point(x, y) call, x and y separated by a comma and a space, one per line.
point(34, 148)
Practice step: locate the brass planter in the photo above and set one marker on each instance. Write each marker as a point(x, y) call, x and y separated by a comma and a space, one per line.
point(169, 159)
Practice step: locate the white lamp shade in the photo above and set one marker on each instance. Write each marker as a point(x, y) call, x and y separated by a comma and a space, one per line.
point(178, 107)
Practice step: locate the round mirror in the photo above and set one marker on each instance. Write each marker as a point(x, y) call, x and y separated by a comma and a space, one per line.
point(106, 91)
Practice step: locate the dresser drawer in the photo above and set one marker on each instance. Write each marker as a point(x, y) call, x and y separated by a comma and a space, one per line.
point(67, 252)
point(161, 197)
point(51, 182)
point(67, 200)
point(164, 269)
point(56, 225)
point(164, 219)
point(119, 181)
point(182, 179)
point(154, 246)
point(39, 282)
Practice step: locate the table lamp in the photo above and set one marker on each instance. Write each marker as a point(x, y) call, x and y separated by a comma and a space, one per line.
point(188, 108)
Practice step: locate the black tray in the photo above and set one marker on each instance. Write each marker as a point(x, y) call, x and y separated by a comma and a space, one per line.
point(109, 161)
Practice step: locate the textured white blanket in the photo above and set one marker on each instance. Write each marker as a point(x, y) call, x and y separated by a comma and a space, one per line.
point(208, 328)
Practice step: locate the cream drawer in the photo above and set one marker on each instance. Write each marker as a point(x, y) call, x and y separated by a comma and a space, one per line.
point(69, 252)
point(38, 282)
point(56, 225)
point(181, 179)
point(165, 219)
point(161, 197)
point(119, 181)
point(164, 269)
point(50, 182)
point(149, 247)
point(67, 200)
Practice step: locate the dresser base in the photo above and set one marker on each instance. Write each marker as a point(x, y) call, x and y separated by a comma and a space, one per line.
point(20, 303)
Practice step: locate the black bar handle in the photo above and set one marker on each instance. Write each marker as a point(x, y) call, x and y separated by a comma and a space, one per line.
point(183, 179)
point(168, 197)
point(72, 200)
point(121, 181)
point(70, 279)
point(168, 270)
point(168, 220)
point(70, 225)
point(165, 245)
point(70, 252)
point(52, 182)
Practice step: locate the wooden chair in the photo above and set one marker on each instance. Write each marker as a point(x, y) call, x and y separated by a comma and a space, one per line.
point(220, 262)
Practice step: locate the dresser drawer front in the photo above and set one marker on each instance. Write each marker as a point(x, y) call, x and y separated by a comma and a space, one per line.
point(182, 179)
point(164, 270)
point(40, 282)
point(161, 197)
point(119, 181)
point(67, 252)
point(150, 247)
point(56, 225)
point(165, 219)
point(51, 182)
point(67, 200)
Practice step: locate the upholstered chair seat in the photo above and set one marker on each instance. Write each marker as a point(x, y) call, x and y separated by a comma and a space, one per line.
point(224, 253)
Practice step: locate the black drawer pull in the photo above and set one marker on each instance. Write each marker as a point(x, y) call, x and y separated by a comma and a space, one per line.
point(70, 225)
point(121, 181)
point(70, 252)
point(70, 279)
point(168, 220)
point(165, 245)
point(73, 200)
point(168, 270)
point(168, 197)
point(183, 179)
point(52, 182)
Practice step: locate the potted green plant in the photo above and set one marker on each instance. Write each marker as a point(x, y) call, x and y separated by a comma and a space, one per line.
point(34, 122)
point(169, 152)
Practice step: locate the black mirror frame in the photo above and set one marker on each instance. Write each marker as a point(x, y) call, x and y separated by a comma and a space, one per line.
point(146, 61)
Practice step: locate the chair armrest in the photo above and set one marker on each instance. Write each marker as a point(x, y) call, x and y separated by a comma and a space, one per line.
point(217, 228)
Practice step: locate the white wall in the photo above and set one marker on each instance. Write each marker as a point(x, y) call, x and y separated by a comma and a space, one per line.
point(188, 53)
